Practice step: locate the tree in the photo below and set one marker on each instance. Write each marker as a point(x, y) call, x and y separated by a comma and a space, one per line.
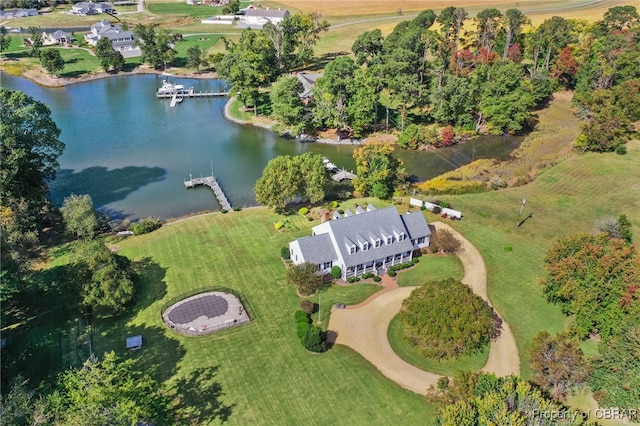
point(595, 279)
point(306, 277)
point(620, 17)
point(109, 58)
point(110, 391)
point(29, 148)
point(286, 104)
point(195, 57)
point(5, 38)
point(445, 319)
point(231, 8)
point(103, 279)
point(487, 399)
point(367, 46)
point(488, 23)
point(615, 377)
point(21, 407)
point(36, 41)
point(79, 217)
point(249, 65)
point(515, 20)
point(315, 340)
point(557, 363)
point(379, 172)
point(445, 241)
point(286, 178)
point(52, 61)
point(156, 47)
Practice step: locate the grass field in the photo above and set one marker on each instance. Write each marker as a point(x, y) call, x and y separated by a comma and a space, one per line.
point(431, 268)
point(404, 350)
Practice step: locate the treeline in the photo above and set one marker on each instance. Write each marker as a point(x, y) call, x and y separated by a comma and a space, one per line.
point(453, 72)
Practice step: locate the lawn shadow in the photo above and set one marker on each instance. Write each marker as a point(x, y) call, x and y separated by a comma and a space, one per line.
point(103, 185)
point(199, 398)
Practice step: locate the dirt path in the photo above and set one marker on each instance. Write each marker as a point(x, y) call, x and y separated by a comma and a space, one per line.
point(364, 328)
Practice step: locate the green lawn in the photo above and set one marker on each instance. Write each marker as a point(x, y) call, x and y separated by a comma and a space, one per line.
point(265, 373)
point(433, 267)
point(395, 334)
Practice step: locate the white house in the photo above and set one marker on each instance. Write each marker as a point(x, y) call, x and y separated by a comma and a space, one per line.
point(57, 37)
point(365, 241)
point(256, 18)
point(90, 8)
point(122, 41)
point(17, 13)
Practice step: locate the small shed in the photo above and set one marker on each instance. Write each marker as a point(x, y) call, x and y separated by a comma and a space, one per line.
point(134, 342)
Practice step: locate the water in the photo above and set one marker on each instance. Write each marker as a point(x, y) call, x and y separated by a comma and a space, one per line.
point(132, 153)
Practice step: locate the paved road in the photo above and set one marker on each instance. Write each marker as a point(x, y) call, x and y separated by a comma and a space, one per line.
point(364, 328)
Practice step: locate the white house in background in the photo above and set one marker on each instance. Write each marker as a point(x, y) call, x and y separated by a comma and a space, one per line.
point(57, 37)
point(256, 18)
point(122, 41)
point(368, 240)
point(91, 8)
point(17, 13)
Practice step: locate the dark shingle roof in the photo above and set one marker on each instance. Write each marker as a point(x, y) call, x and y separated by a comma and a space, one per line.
point(416, 225)
point(317, 249)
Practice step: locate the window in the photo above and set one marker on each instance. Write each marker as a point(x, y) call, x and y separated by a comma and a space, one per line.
point(421, 240)
point(378, 243)
point(389, 240)
point(401, 236)
point(352, 250)
point(365, 246)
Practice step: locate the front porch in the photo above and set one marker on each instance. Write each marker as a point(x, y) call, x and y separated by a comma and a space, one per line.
point(377, 267)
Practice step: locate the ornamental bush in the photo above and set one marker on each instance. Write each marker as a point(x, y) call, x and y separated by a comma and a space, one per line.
point(302, 316)
point(392, 273)
point(336, 272)
point(303, 211)
point(315, 340)
point(307, 306)
point(446, 319)
point(284, 253)
point(377, 279)
point(278, 225)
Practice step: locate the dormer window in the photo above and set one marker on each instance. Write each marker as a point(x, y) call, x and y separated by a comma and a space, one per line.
point(401, 236)
point(365, 246)
point(378, 243)
point(389, 240)
point(352, 249)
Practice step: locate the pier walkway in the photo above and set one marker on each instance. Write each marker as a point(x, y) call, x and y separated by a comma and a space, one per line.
point(192, 94)
point(212, 183)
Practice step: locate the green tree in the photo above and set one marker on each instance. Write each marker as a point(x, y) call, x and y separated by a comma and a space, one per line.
point(156, 47)
point(52, 61)
point(591, 278)
point(455, 101)
point(195, 57)
point(515, 20)
point(103, 279)
point(313, 176)
point(445, 319)
point(19, 406)
point(5, 38)
point(110, 391)
point(108, 57)
point(620, 18)
point(231, 8)
point(488, 23)
point(79, 216)
point(249, 65)
point(315, 340)
point(29, 148)
point(368, 46)
point(36, 41)
point(379, 172)
point(286, 104)
point(615, 378)
point(306, 277)
point(557, 363)
point(362, 105)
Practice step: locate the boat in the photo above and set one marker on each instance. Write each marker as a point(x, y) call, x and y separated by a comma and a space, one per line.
point(169, 89)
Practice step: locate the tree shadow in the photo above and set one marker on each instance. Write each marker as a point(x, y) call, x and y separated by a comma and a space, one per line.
point(321, 62)
point(103, 185)
point(199, 398)
point(332, 336)
point(73, 74)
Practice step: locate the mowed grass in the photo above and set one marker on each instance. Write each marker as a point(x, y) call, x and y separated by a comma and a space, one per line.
point(265, 373)
point(432, 267)
point(396, 333)
point(564, 200)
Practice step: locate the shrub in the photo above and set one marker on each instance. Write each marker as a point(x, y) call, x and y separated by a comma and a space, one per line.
point(284, 253)
point(336, 272)
point(223, 211)
point(340, 211)
point(303, 211)
point(307, 306)
point(335, 204)
point(236, 209)
point(302, 316)
point(445, 241)
point(377, 279)
point(302, 329)
point(305, 277)
point(415, 260)
point(144, 226)
point(310, 219)
point(392, 273)
point(471, 322)
point(621, 149)
point(508, 248)
point(315, 340)
point(278, 225)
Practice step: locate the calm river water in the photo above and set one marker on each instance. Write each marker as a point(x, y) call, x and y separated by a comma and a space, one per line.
point(132, 153)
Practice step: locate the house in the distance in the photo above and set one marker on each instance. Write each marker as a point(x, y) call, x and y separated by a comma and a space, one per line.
point(308, 81)
point(256, 18)
point(57, 37)
point(91, 8)
point(122, 41)
point(17, 13)
point(363, 241)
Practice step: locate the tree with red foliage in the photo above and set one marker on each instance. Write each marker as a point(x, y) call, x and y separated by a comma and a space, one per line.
point(447, 137)
point(565, 68)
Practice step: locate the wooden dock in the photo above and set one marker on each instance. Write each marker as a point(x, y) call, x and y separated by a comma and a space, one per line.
point(191, 94)
point(212, 183)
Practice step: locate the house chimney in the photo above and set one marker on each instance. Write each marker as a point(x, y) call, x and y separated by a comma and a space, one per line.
point(326, 216)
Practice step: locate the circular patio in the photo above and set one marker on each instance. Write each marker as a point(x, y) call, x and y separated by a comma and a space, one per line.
point(205, 313)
